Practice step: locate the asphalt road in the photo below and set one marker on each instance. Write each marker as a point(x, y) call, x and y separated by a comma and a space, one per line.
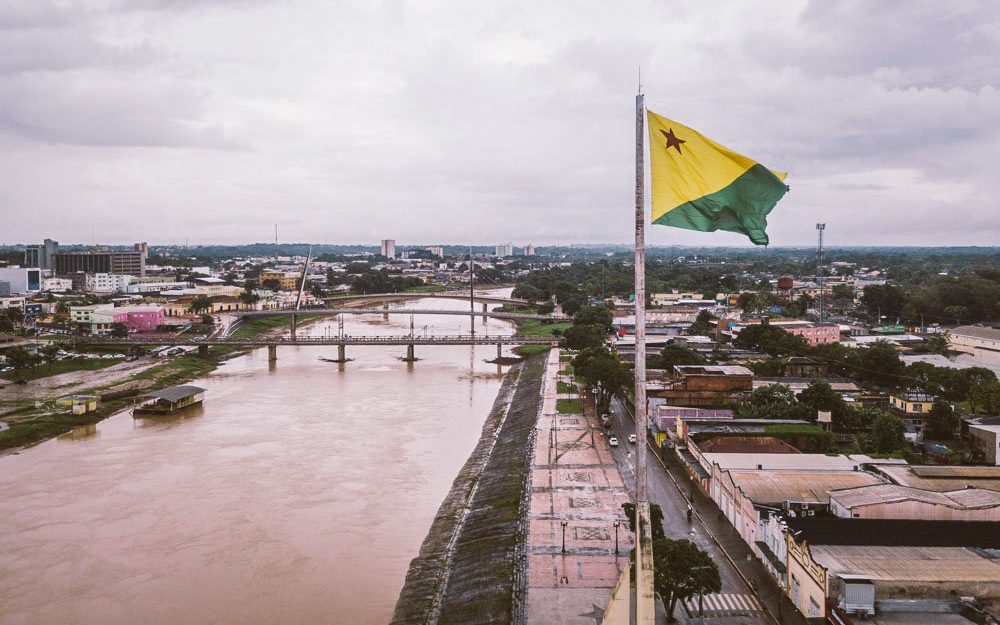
point(663, 491)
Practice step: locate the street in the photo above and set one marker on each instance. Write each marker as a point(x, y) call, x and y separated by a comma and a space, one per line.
point(736, 603)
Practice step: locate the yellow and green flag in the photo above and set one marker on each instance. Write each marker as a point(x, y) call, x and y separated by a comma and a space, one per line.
point(701, 185)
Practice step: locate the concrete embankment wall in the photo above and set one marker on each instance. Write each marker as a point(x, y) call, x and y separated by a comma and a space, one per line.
point(465, 572)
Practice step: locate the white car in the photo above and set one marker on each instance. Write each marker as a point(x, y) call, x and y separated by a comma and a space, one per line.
point(631, 438)
point(613, 441)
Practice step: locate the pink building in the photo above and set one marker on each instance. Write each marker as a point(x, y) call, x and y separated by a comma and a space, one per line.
point(816, 334)
point(142, 318)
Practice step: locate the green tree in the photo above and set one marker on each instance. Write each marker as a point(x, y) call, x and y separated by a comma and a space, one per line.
point(702, 324)
point(200, 304)
point(601, 369)
point(984, 397)
point(888, 434)
point(942, 422)
point(681, 571)
point(49, 353)
point(594, 315)
point(673, 355)
point(771, 340)
point(583, 337)
point(19, 357)
point(271, 284)
point(774, 401)
point(655, 519)
point(249, 296)
point(938, 343)
point(748, 301)
point(818, 396)
point(119, 330)
point(879, 364)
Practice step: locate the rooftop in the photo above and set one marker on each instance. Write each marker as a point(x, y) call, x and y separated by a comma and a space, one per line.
point(966, 498)
point(712, 370)
point(747, 444)
point(176, 393)
point(943, 478)
point(907, 563)
point(978, 332)
point(817, 463)
point(799, 486)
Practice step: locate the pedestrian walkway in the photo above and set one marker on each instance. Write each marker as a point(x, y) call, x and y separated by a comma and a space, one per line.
point(718, 605)
point(576, 497)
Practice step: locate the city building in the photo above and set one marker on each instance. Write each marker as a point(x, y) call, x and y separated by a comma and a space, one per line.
point(892, 501)
point(130, 262)
point(107, 283)
point(21, 279)
point(436, 251)
point(40, 256)
point(102, 317)
point(287, 280)
point(912, 406)
point(870, 566)
point(504, 250)
point(529, 250)
point(388, 248)
point(980, 341)
point(984, 438)
point(57, 285)
point(704, 385)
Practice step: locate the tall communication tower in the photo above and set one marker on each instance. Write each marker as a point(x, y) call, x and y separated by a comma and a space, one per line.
point(819, 272)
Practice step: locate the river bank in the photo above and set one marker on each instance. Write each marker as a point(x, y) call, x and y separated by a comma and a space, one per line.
point(34, 416)
point(468, 568)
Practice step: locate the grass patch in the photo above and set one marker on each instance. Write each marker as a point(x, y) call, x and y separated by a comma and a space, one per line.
point(565, 387)
point(426, 288)
point(565, 358)
point(569, 406)
point(567, 370)
point(535, 327)
point(60, 366)
point(525, 351)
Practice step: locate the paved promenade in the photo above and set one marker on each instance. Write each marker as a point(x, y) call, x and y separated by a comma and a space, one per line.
point(573, 479)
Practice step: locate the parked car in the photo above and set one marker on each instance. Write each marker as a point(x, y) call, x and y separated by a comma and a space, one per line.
point(631, 438)
point(613, 441)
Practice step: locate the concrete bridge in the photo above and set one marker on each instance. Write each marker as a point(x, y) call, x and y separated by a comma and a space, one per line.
point(342, 341)
point(460, 295)
point(385, 310)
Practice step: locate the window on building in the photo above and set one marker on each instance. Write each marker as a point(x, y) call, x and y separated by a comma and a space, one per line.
point(814, 608)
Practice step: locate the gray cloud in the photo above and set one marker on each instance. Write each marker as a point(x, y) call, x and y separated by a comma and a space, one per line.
point(452, 121)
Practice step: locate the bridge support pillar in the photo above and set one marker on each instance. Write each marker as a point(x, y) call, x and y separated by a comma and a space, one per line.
point(385, 307)
point(410, 357)
point(203, 350)
point(499, 352)
point(294, 323)
point(342, 353)
point(272, 353)
point(485, 310)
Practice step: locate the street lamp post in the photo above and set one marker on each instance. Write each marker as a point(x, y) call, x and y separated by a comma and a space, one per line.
point(564, 524)
point(617, 523)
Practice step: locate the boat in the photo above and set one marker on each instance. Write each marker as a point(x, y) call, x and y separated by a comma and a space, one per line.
point(170, 400)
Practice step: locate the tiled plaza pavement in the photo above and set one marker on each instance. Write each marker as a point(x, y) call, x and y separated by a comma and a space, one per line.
point(573, 479)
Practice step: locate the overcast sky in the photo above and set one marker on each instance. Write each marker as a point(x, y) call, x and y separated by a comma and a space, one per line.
point(487, 122)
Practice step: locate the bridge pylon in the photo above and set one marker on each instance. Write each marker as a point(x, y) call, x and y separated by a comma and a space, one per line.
point(272, 353)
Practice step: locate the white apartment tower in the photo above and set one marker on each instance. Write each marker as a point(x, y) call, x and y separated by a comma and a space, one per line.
point(388, 248)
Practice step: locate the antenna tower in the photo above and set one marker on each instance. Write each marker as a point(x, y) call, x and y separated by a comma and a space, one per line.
point(819, 272)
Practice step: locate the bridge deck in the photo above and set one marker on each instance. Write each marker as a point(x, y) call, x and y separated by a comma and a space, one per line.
point(458, 339)
point(397, 311)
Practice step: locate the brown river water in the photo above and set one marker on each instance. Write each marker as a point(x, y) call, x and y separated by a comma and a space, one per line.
point(297, 494)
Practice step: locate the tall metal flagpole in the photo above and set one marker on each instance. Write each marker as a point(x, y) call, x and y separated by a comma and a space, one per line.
point(645, 610)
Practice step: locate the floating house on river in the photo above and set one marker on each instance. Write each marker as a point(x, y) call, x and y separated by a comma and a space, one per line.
point(170, 400)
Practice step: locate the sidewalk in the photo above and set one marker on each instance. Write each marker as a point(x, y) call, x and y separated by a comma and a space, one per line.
point(572, 569)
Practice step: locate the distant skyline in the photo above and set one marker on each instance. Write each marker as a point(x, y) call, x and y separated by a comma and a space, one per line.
point(437, 122)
